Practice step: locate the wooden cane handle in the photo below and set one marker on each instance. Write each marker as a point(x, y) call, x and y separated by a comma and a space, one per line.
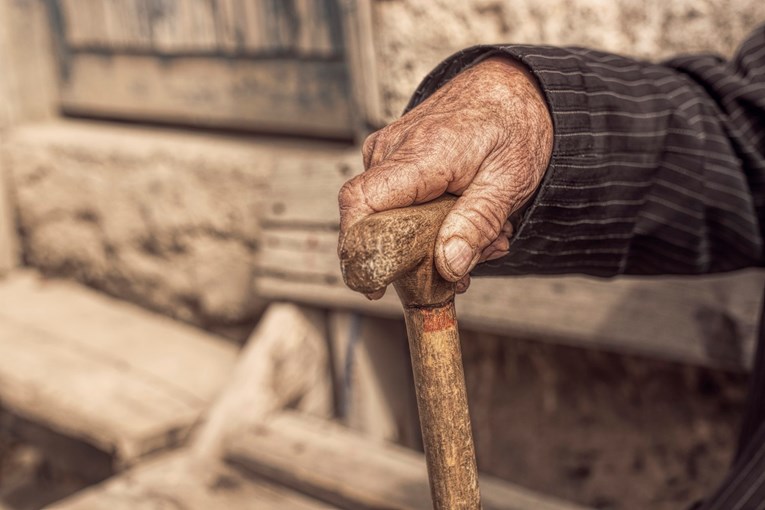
point(391, 246)
point(397, 247)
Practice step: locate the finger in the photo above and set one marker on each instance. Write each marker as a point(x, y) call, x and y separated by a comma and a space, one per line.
point(497, 254)
point(368, 149)
point(474, 223)
point(462, 285)
point(499, 245)
point(387, 186)
point(387, 141)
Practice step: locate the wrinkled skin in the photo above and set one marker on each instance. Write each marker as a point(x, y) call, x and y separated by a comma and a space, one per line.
point(486, 136)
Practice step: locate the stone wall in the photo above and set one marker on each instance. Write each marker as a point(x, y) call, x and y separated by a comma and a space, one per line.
point(168, 220)
point(412, 36)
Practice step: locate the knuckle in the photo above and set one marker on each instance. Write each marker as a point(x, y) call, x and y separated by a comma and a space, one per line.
point(443, 133)
point(369, 144)
point(354, 195)
point(346, 197)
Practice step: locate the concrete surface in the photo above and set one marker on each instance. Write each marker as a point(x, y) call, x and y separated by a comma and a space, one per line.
point(163, 218)
point(411, 37)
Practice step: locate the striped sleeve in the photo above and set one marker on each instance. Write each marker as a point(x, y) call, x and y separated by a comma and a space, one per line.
point(656, 168)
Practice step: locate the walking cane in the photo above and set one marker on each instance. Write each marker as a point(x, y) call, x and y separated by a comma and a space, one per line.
point(397, 247)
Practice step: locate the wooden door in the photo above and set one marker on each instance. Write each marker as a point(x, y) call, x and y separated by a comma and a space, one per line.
point(265, 65)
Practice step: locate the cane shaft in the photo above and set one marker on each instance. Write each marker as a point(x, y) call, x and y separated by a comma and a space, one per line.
point(398, 247)
point(442, 402)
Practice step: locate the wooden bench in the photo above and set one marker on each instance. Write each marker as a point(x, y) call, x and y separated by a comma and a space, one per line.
point(342, 468)
point(115, 380)
point(8, 240)
point(178, 480)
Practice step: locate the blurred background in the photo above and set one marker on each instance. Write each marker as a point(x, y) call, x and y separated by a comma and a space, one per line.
point(174, 331)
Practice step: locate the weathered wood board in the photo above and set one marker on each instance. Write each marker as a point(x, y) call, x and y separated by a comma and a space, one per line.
point(373, 377)
point(178, 481)
point(342, 468)
point(8, 238)
point(704, 320)
point(284, 363)
point(121, 379)
point(264, 66)
point(305, 27)
point(361, 56)
point(277, 95)
point(28, 83)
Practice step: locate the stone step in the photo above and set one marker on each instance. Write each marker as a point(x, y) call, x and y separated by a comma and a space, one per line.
point(179, 481)
point(112, 378)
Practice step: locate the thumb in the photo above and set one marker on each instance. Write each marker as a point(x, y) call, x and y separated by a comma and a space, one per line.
point(474, 223)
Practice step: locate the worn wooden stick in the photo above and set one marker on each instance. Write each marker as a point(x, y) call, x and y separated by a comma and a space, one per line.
point(397, 247)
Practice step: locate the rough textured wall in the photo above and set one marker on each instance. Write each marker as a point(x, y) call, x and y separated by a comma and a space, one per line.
point(167, 220)
point(412, 36)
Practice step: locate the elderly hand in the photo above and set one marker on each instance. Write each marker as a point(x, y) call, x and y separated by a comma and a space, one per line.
point(486, 136)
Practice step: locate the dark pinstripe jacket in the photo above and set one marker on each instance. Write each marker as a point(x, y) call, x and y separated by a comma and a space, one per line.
point(656, 168)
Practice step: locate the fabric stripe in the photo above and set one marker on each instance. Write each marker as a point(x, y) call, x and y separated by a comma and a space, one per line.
point(656, 169)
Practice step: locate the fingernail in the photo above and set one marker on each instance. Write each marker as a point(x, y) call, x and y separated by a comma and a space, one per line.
point(458, 255)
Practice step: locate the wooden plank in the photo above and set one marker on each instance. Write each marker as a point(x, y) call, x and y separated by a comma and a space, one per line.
point(9, 254)
point(296, 27)
point(202, 23)
point(285, 362)
point(318, 22)
point(333, 464)
point(167, 30)
point(280, 27)
point(115, 23)
point(93, 368)
point(227, 20)
point(29, 92)
point(252, 28)
point(296, 252)
point(274, 95)
point(361, 57)
point(303, 191)
point(702, 320)
point(373, 377)
point(177, 481)
point(320, 293)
